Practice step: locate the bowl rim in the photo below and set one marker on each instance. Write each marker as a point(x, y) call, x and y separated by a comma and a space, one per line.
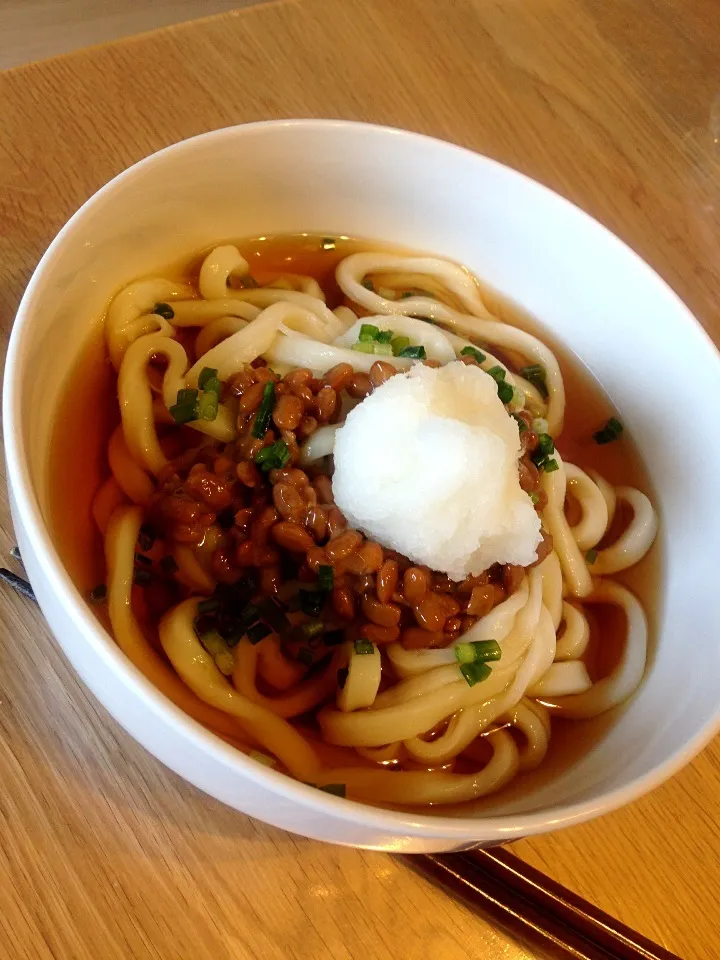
point(491, 827)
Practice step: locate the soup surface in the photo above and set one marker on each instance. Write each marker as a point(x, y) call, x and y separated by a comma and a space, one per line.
point(217, 538)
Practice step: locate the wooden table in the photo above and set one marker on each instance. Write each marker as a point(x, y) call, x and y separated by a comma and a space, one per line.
point(104, 854)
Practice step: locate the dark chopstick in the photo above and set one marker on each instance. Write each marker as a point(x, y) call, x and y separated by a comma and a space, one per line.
point(521, 899)
point(18, 583)
point(527, 903)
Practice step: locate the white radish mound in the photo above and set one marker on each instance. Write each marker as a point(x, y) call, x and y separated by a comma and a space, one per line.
point(427, 465)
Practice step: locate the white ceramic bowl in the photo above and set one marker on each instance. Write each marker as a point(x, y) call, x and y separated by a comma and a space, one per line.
point(610, 308)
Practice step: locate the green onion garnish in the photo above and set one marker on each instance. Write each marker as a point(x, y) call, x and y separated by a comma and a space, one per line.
point(478, 651)
point(209, 400)
point(414, 352)
point(336, 789)
point(258, 632)
point(366, 346)
point(207, 373)
point(326, 577)
point(141, 558)
point(540, 425)
point(219, 651)
point(164, 310)
point(363, 646)
point(328, 243)
point(591, 556)
point(475, 672)
point(505, 391)
point(98, 593)
point(168, 564)
point(384, 336)
point(368, 331)
point(535, 374)
point(535, 497)
point(545, 444)
point(269, 609)
point(368, 284)
point(382, 349)
point(262, 758)
point(497, 373)
point(473, 352)
point(185, 408)
point(611, 431)
point(141, 577)
point(209, 605)
point(262, 417)
point(274, 457)
point(398, 344)
point(550, 466)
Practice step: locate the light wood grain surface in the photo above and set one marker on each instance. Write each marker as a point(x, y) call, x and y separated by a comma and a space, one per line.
point(103, 853)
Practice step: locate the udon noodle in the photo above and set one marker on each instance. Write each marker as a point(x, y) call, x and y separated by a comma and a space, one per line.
point(235, 586)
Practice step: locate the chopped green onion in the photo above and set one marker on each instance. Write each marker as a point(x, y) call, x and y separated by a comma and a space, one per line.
point(305, 655)
point(522, 426)
point(545, 444)
point(185, 408)
point(258, 632)
point(328, 243)
point(207, 373)
point(207, 606)
point(497, 373)
point(219, 651)
point(611, 431)
point(478, 651)
point(550, 466)
point(382, 349)
point(164, 310)
point(146, 538)
point(209, 401)
point(98, 593)
point(141, 577)
point(398, 344)
point(540, 425)
point(326, 577)
point(363, 646)
point(384, 336)
point(475, 672)
point(274, 457)
point(312, 601)
point(262, 417)
point(591, 556)
point(366, 346)
point(518, 398)
point(168, 564)
point(473, 352)
point(414, 352)
point(368, 284)
point(336, 789)
point(262, 758)
point(535, 374)
point(312, 628)
point(535, 497)
point(141, 558)
point(333, 638)
point(505, 391)
point(368, 331)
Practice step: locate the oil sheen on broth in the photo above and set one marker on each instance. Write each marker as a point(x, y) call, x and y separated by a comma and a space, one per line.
point(79, 466)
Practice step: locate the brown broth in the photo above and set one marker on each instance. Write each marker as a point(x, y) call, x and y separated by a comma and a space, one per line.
point(88, 412)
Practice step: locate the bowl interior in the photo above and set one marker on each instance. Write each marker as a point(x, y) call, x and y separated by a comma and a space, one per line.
point(595, 295)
